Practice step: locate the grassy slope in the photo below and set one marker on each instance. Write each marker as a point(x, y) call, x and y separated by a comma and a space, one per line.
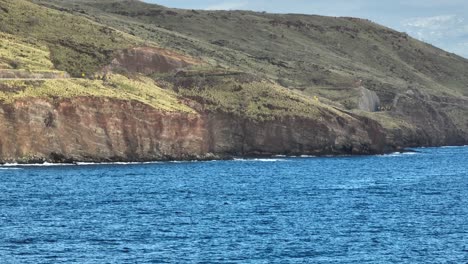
point(310, 52)
point(32, 49)
point(116, 86)
point(16, 53)
point(245, 95)
point(323, 56)
point(76, 44)
point(35, 42)
point(312, 55)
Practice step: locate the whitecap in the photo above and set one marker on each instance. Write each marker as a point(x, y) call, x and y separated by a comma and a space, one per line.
point(261, 160)
point(10, 165)
point(114, 163)
point(398, 154)
point(394, 154)
point(270, 160)
point(46, 164)
point(409, 153)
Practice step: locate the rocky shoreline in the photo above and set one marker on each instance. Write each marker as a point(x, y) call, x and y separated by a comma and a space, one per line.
point(86, 129)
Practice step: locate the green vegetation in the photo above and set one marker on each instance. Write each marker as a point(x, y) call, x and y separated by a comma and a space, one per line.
point(77, 45)
point(116, 86)
point(222, 90)
point(259, 65)
point(387, 121)
point(39, 36)
point(16, 53)
point(309, 53)
point(257, 100)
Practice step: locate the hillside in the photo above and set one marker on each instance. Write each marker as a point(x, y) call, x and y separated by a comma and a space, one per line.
point(254, 83)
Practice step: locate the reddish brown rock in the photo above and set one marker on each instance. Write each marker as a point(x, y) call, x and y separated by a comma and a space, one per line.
point(148, 60)
point(97, 129)
point(331, 134)
point(103, 129)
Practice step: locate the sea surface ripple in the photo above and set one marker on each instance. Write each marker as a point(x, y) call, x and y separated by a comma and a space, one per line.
point(398, 208)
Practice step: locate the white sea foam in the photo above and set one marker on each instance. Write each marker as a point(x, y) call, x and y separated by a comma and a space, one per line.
point(301, 156)
point(9, 164)
point(114, 163)
point(45, 164)
point(394, 154)
point(261, 160)
point(398, 154)
point(308, 156)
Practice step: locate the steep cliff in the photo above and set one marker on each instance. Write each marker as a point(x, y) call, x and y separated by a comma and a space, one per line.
point(96, 129)
point(107, 129)
point(120, 80)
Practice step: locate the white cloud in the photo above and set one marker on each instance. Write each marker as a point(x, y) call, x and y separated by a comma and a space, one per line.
point(433, 22)
point(449, 32)
point(227, 6)
point(436, 27)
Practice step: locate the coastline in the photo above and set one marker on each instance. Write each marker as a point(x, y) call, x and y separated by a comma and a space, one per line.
point(269, 158)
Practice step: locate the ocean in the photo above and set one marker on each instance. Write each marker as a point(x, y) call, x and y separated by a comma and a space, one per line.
point(398, 208)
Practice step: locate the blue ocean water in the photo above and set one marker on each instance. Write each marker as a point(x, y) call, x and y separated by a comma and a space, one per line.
point(399, 208)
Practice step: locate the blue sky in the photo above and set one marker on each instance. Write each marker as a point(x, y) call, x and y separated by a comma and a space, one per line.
point(443, 23)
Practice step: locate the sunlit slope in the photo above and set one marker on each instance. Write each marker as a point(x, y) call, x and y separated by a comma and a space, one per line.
point(76, 44)
point(422, 90)
point(312, 53)
point(29, 53)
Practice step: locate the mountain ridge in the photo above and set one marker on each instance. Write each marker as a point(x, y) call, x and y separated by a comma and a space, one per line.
point(362, 87)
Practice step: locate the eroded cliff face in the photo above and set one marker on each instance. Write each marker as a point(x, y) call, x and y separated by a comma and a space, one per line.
point(437, 120)
point(96, 129)
point(331, 134)
point(103, 129)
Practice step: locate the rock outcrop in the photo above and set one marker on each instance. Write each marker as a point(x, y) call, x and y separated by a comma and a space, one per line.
point(149, 60)
point(332, 134)
point(103, 129)
point(369, 100)
point(263, 84)
point(96, 129)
